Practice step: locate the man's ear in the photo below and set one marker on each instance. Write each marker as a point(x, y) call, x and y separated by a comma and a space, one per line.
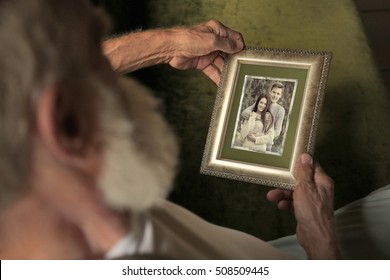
point(65, 125)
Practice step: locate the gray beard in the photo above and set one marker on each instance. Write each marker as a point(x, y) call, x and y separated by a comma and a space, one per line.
point(141, 155)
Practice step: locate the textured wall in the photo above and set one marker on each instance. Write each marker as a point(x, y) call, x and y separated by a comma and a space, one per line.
point(352, 143)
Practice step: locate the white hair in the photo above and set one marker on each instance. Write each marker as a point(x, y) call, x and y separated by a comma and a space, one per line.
point(42, 43)
point(46, 42)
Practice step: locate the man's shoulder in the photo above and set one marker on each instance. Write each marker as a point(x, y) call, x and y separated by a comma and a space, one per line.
point(188, 236)
point(276, 107)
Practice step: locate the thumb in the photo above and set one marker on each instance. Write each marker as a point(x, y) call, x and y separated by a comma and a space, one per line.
point(304, 171)
point(229, 45)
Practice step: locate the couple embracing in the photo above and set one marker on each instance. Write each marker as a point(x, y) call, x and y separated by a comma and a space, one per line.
point(262, 121)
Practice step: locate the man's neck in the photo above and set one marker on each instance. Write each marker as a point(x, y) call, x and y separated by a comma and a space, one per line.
point(32, 229)
point(36, 228)
point(62, 216)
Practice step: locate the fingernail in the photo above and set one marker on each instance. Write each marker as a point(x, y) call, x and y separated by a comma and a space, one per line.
point(306, 159)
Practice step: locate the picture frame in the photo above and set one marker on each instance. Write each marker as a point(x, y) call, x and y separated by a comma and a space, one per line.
point(250, 138)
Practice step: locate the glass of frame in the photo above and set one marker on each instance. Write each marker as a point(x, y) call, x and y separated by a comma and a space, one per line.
point(265, 115)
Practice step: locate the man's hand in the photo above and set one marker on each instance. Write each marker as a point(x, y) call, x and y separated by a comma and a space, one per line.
point(251, 137)
point(199, 47)
point(203, 47)
point(268, 118)
point(312, 201)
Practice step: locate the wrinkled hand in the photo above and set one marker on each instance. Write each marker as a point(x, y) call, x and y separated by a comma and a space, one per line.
point(312, 201)
point(203, 47)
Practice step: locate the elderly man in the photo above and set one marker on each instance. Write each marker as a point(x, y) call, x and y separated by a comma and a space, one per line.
point(86, 160)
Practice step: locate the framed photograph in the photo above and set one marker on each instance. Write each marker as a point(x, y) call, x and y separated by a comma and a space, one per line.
point(265, 115)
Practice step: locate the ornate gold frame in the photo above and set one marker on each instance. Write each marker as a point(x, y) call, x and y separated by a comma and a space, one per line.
point(263, 60)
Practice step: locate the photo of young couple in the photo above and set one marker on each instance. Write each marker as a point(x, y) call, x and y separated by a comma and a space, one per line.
point(262, 119)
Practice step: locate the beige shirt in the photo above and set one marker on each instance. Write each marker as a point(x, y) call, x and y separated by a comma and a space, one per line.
point(171, 231)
